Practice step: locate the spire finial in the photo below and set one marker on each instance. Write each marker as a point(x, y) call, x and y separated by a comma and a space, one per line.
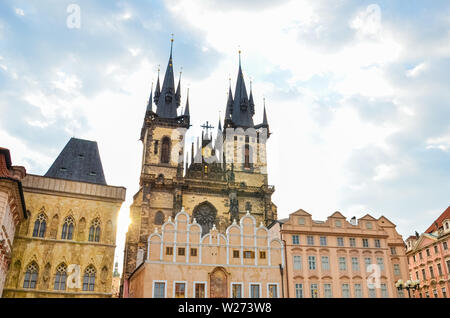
point(171, 45)
point(239, 55)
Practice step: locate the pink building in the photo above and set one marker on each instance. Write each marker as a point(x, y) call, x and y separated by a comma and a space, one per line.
point(12, 209)
point(341, 259)
point(243, 262)
point(429, 258)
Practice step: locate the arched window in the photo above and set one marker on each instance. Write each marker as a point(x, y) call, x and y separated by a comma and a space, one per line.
point(67, 230)
point(159, 218)
point(89, 278)
point(31, 276)
point(60, 277)
point(94, 231)
point(247, 156)
point(40, 225)
point(165, 150)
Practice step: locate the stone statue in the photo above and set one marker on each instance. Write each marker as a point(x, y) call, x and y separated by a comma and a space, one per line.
point(234, 207)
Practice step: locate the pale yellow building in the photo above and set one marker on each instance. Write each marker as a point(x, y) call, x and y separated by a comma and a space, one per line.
point(66, 246)
point(244, 262)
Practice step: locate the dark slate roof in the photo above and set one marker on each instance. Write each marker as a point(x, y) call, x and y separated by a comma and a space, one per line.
point(168, 101)
point(241, 112)
point(78, 161)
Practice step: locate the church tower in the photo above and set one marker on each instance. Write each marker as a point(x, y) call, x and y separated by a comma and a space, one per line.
point(216, 181)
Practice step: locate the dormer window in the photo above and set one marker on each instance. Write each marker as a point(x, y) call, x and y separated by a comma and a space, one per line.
point(369, 225)
point(338, 223)
point(63, 169)
point(301, 221)
point(92, 173)
point(81, 156)
point(168, 98)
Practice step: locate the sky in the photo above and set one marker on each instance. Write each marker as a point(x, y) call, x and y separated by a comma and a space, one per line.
point(357, 92)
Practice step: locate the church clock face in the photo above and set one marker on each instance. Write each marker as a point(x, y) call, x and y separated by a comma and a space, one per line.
point(205, 216)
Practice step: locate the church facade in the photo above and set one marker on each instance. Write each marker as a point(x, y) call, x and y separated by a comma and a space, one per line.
point(217, 181)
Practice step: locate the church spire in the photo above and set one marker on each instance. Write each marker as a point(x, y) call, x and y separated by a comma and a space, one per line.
point(251, 103)
point(149, 104)
point(186, 109)
point(265, 123)
point(178, 93)
point(241, 114)
point(157, 90)
point(229, 108)
point(167, 106)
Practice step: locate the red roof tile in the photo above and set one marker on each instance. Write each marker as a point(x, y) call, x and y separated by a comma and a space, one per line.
point(442, 217)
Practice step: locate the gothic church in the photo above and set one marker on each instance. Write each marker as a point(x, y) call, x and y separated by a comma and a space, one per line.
point(218, 182)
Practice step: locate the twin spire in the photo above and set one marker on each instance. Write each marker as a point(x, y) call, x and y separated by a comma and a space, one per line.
point(239, 110)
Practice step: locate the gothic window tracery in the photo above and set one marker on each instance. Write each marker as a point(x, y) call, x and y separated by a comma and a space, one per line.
point(159, 218)
point(205, 214)
point(89, 278)
point(165, 150)
point(40, 225)
point(31, 276)
point(60, 277)
point(67, 230)
point(94, 231)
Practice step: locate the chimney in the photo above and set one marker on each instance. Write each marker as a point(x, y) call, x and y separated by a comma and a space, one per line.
point(353, 220)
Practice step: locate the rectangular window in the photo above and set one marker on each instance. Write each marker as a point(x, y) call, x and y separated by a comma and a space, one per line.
point(417, 276)
point(377, 243)
point(155, 149)
point(236, 290)
point(235, 254)
point(159, 290)
point(401, 294)
point(310, 240)
point(200, 290)
point(262, 254)
point(295, 240)
point(369, 225)
point(273, 291)
point(358, 291)
point(435, 293)
point(439, 267)
point(345, 291)
point(444, 244)
point(325, 263)
point(338, 223)
point(327, 291)
point(380, 263)
point(372, 293)
point(299, 290)
point(393, 251)
point(254, 291)
point(169, 250)
point(355, 264)
point(414, 258)
point(420, 255)
point(431, 272)
point(314, 291)
point(301, 221)
point(249, 254)
point(181, 251)
point(435, 249)
point(340, 241)
point(365, 242)
point(352, 242)
point(323, 241)
point(180, 290)
point(342, 263)
point(367, 261)
point(397, 269)
point(384, 291)
point(424, 276)
point(444, 292)
point(297, 262)
point(448, 266)
point(312, 262)
point(193, 252)
point(428, 252)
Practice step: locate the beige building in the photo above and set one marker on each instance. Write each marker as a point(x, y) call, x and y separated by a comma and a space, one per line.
point(66, 246)
point(341, 259)
point(244, 262)
point(12, 209)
